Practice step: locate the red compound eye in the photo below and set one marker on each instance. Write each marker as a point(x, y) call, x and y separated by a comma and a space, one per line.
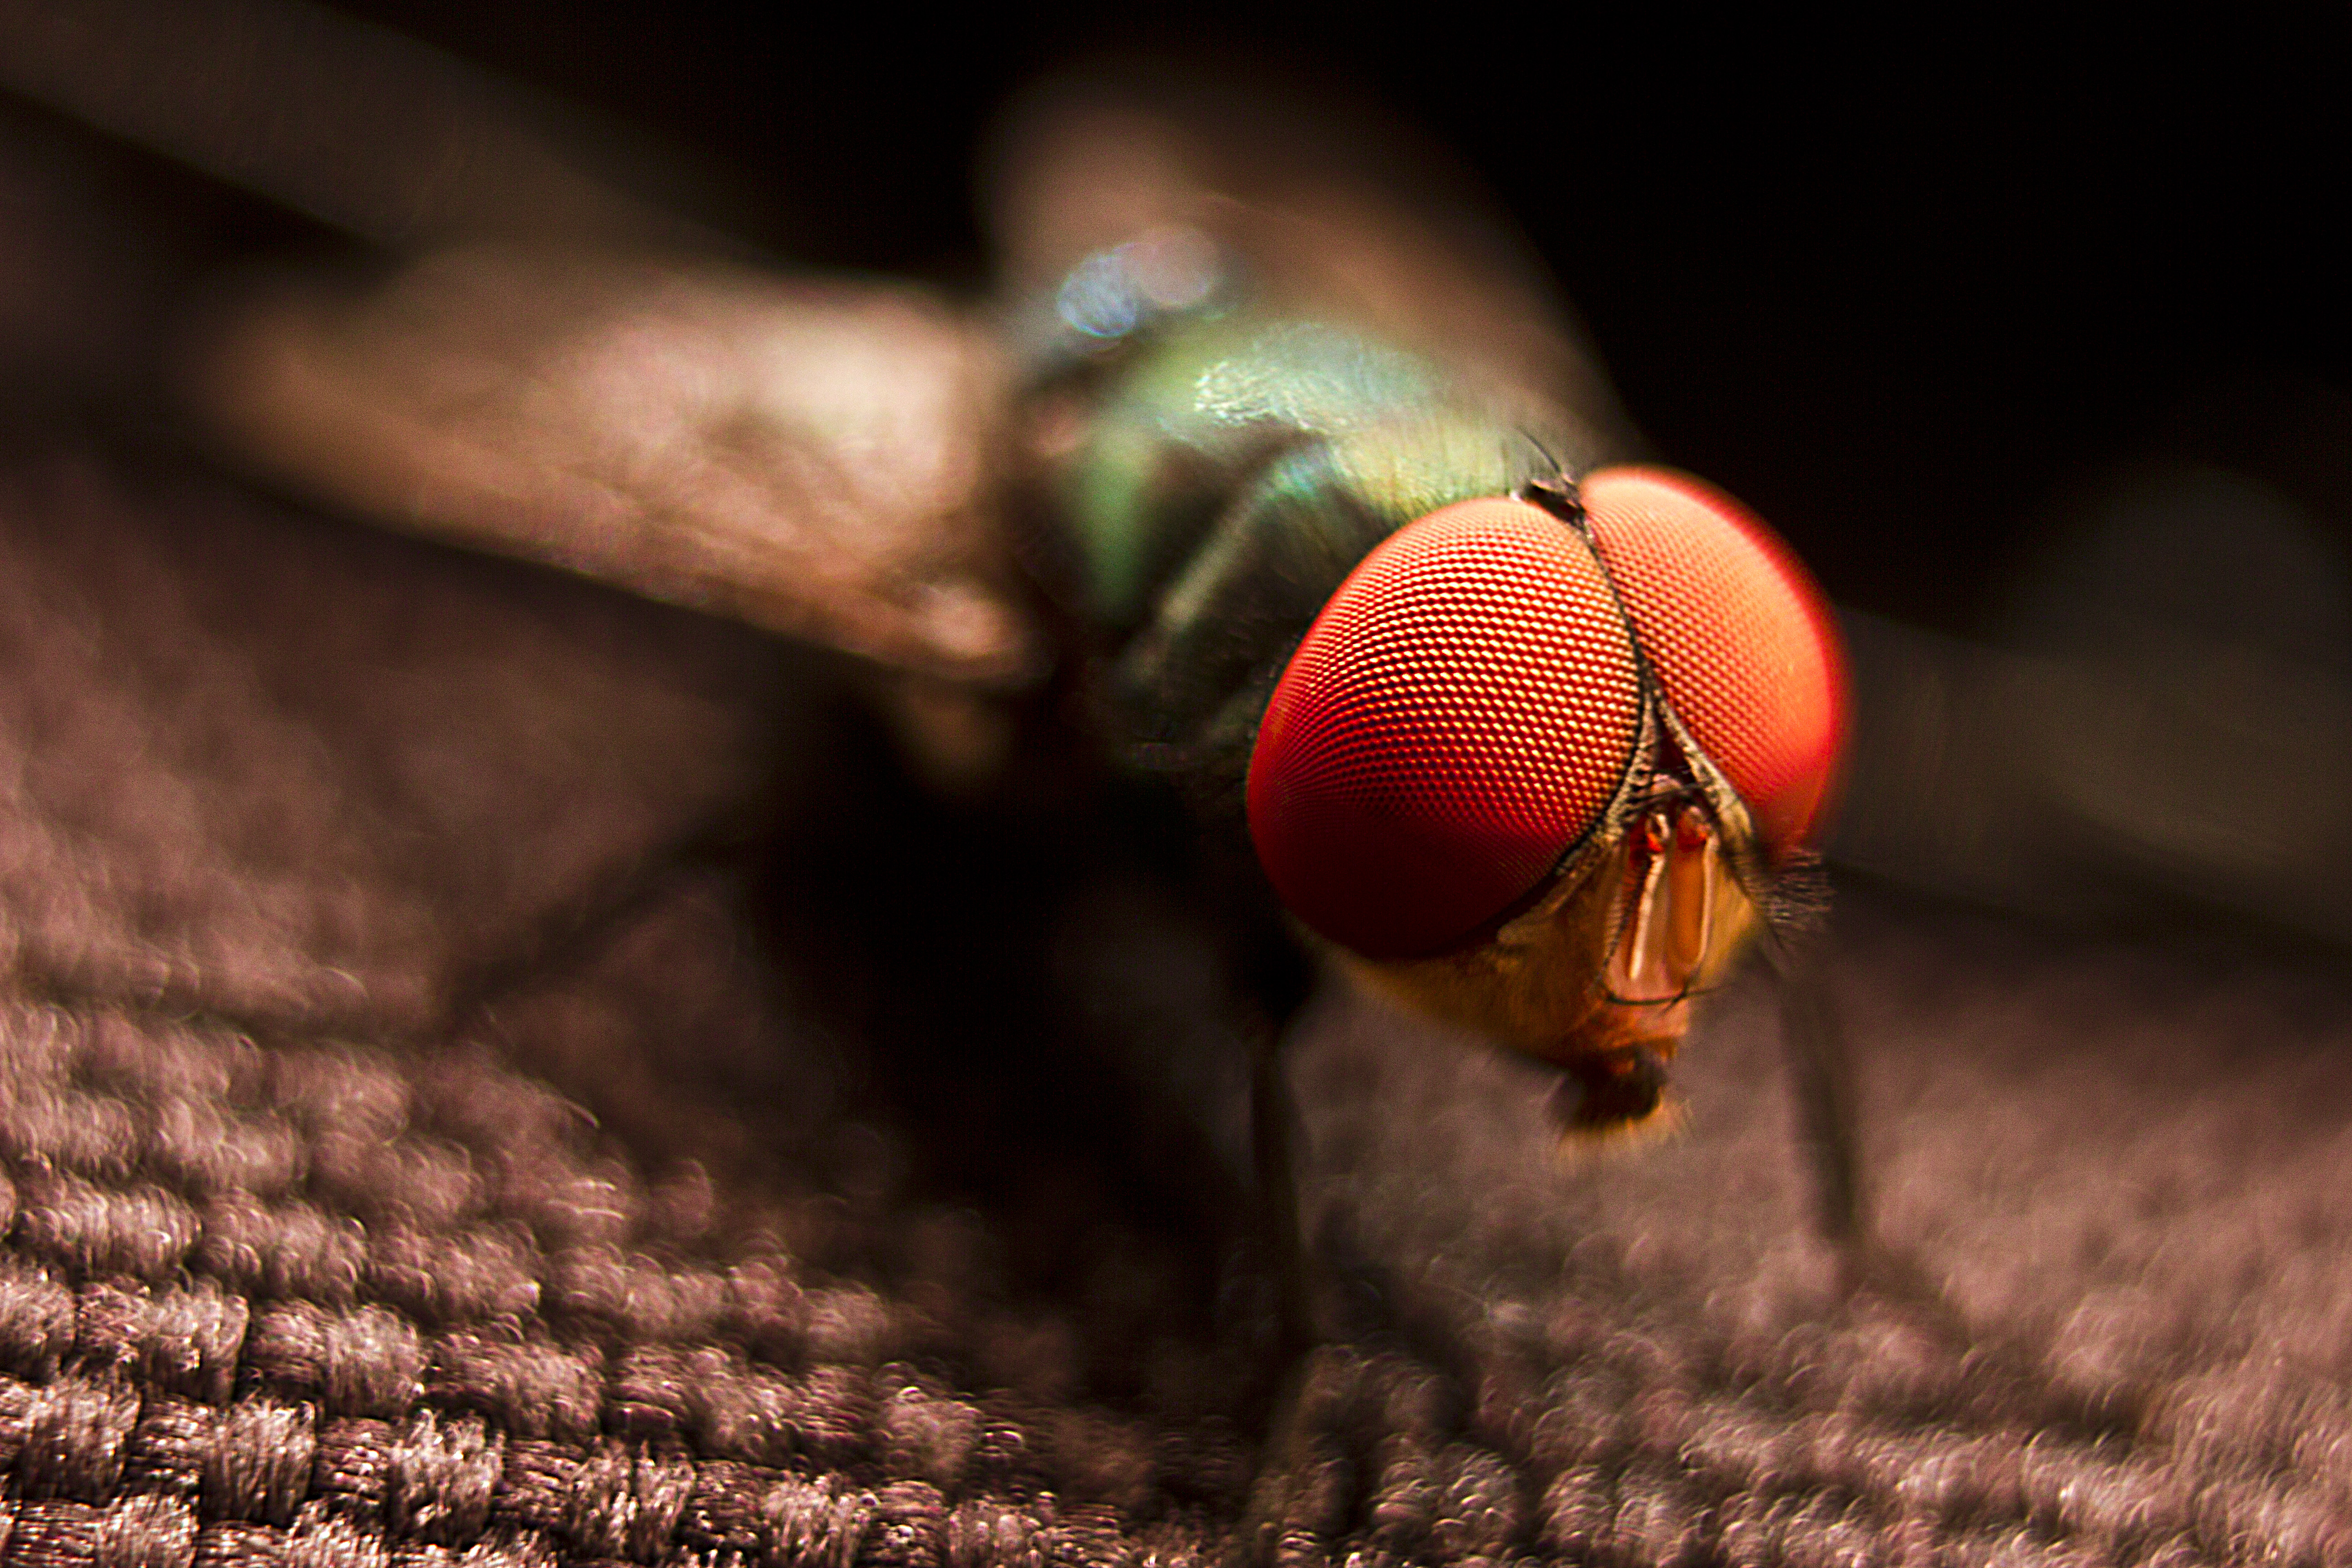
point(1458, 715)
point(1737, 633)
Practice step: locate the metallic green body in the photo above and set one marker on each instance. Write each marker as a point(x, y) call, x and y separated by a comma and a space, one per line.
point(1234, 467)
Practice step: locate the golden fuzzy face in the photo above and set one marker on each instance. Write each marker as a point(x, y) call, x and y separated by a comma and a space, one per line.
point(1603, 966)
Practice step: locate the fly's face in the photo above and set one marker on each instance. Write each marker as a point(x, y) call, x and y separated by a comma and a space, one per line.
point(1539, 761)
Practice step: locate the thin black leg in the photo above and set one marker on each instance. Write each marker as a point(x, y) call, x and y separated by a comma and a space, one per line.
point(1822, 1074)
point(1273, 1124)
point(1277, 977)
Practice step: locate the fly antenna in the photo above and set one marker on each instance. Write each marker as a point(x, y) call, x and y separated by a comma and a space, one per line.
point(1557, 494)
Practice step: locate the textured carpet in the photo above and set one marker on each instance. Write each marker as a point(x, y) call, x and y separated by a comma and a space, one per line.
point(492, 1070)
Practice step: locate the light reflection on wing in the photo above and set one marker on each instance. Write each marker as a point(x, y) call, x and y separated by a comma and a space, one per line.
point(816, 458)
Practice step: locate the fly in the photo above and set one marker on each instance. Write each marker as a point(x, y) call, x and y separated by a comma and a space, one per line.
point(1530, 737)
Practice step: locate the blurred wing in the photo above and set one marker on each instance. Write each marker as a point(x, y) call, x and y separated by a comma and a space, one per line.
point(1337, 212)
point(818, 459)
point(815, 458)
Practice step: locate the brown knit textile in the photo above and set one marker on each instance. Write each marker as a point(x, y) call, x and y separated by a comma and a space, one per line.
point(434, 1129)
point(314, 1258)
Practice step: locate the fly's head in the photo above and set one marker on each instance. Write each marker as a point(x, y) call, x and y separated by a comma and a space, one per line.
point(1541, 764)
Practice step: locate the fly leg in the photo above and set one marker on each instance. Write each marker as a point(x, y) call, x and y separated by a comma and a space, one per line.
point(1296, 1418)
point(1274, 1141)
point(1822, 1081)
point(1829, 1121)
point(1822, 1072)
point(1279, 978)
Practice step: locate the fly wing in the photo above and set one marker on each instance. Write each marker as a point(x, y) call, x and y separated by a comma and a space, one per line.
point(1337, 212)
point(818, 459)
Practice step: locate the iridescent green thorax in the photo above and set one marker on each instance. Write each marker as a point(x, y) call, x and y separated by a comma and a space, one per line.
point(1205, 411)
point(1231, 466)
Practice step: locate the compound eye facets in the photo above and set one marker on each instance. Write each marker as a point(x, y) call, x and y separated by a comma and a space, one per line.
point(1461, 713)
point(1467, 705)
point(1740, 639)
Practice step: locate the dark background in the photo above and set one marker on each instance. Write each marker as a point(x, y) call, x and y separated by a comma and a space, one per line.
point(1900, 292)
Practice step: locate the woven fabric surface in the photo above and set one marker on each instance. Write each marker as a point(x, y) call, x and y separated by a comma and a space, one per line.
point(414, 1149)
